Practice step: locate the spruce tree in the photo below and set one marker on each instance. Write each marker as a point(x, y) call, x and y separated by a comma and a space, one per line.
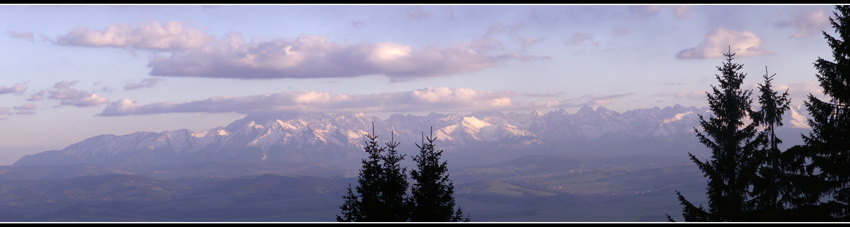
point(350, 209)
point(771, 183)
point(732, 167)
point(829, 142)
point(367, 205)
point(394, 189)
point(432, 197)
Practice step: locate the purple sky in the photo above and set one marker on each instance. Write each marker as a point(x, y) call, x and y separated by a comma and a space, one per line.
point(71, 72)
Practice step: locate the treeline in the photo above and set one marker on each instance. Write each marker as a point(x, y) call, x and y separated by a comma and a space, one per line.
point(381, 193)
point(749, 178)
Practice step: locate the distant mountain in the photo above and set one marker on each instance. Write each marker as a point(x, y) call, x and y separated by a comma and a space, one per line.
point(337, 139)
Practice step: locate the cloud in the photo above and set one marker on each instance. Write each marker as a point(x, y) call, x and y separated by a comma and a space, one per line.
point(579, 38)
point(18, 35)
point(800, 91)
point(428, 99)
point(717, 42)
point(311, 56)
point(547, 95)
point(680, 12)
point(645, 10)
point(26, 109)
point(606, 99)
point(37, 96)
point(153, 35)
point(68, 96)
point(145, 83)
point(529, 41)
point(586, 100)
point(4, 110)
point(65, 84)
point(693, 95)
point(196, 54)
point(805, 23)
point(17, 89)
point(488, 40)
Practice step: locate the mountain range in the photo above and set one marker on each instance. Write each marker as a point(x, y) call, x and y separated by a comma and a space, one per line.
point(338, 138)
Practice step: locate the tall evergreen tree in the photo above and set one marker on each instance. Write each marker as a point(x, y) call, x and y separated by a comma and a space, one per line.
point(829, 141)
point(394, 189)
point(432, 193)
point(771, 183)
point(732, 167)
point(366, 205)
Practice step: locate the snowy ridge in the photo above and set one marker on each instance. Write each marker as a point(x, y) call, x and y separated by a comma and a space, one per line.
point(340, 136)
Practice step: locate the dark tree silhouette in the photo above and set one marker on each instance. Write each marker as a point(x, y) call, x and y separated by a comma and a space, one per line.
point(366, 205)
point(432, 193)
point(382, 191)
point(732, 167)
point(394, 189)
point(829, 142)
point(771, 185)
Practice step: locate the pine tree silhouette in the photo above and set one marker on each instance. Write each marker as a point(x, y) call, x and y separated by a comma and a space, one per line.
point(732, 167)
point(394, 189)
point(367, 205)
point(770, 188)
point(432, 199)
point(382, 191)
point(829, 142)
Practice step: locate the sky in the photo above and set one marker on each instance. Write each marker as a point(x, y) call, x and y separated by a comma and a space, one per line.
point(71, 72)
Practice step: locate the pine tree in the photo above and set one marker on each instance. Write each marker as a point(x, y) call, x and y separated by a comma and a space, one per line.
point(394, 189)
point(432, 193)
point(732, 168)
point(350, 208)
point(771, 183)
point(367, 207)
point(829, 141)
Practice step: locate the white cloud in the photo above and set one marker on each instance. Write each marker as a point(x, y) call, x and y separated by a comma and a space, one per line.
point(4, 110)
point(145, 83)
point(153, 35)
point(17, 89)
point(805, 23)
point(718, 42)
point(311, 56)
point(428, 99)
point(196, 54)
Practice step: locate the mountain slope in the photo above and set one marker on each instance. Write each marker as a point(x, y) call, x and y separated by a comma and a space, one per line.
point(337, 139)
